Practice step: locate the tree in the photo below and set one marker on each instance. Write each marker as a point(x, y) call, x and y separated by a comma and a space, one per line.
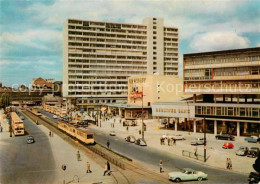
point(256, 165)
point(5, 99)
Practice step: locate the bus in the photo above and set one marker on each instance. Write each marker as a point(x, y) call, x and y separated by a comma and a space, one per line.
point(17, 124)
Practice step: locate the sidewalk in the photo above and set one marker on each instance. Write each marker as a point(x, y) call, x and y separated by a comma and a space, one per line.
point(65, 153)
point(217, 155)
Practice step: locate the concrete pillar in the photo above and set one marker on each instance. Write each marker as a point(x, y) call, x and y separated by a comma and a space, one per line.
point(215, 127)
point(238, 129)
point(119, 112)
point(194, 98)
point(215, 98)
point(223, 127)
point(245, 127)
point(194, 126)
point(176, 124)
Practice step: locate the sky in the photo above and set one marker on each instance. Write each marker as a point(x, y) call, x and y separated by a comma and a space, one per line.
point(31, 30)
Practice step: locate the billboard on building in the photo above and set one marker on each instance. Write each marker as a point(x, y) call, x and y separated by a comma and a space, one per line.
point(174, 111)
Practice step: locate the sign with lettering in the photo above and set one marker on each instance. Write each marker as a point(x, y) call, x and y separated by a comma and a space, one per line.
point(174, 111)
point(136, 95)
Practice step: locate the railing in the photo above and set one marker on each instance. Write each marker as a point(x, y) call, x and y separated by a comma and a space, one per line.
point(107, 157)
point(192, 155)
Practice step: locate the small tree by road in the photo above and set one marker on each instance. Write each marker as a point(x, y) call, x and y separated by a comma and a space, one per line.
point(5, 100)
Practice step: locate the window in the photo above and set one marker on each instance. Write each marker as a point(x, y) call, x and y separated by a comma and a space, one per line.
point(154, 37)
point(154, 63)
point(154, 18)
point(154, 43)
point(154, 32)
point(149, 103)
point(158, 98)
point(154, 68)
point(154, 57)
point(154, 53)
point(154, 27)
point(154, 48)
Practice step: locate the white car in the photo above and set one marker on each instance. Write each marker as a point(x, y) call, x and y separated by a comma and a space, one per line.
point(187, 174)
point(55, 116)
point(112, 133)
point(197, 141)
point(178, 137)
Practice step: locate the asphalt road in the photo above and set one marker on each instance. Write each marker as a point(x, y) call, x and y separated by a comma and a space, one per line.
point(27, 163)
point(171, 162)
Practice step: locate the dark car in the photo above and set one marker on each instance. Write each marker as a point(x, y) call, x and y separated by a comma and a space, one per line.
point(83, 123)
point(254, 178)
point(30, 140)
point(225, 137)
point(253, 152)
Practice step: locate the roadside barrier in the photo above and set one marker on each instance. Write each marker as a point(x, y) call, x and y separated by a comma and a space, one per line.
point(192, 155)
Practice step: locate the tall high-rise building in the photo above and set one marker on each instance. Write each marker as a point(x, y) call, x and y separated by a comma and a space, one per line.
point(98, 57)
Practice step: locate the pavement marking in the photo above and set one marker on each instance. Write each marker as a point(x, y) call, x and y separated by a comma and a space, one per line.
point(41, 171)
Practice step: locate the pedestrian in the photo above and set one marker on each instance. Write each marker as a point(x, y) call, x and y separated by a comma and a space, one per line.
point(50, 133)
point(114, 120)
point(78, 155)
point(227, 163)
point(120, 121)
point(161, 166)
point(168, 140)
point(108, 168)
point(105, 170)
point(127, 128)
point(108, 144)
point(195, 151)
point(174, 141)
point(230, 164)
point(161, 140)
point(88, 168)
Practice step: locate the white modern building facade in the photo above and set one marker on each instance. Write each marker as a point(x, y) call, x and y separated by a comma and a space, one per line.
point(98, 57)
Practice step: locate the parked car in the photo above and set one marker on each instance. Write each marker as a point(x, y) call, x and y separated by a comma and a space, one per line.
point(55, 116)
point(227, 145)
point(225, 137)
point(253, 152)
point(130, 138)
point(83, 123)
point(187, 174)
point(140, 142)
point(178, 137)
point(242, 151)
point(167, 136)
point(254, 178)
point(112, 133)
point(253, 139)
point(197, 141)
point(22, 117)
point(30, 139)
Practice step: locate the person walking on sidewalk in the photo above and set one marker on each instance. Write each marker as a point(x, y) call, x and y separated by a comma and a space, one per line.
point(230, 164)
point(161, 166)
point(108, 168)
point(88, 168)
point(168, 140)
point(78, 155)
point(195, 151)
point(227, 163)
point(108, 144)
point(105, 170)
point(50, 133)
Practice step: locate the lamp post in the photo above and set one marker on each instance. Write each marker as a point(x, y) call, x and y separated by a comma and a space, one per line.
point(205, 142)
point(142, 113)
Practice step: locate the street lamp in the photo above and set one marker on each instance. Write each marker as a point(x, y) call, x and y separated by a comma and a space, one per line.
point(142, 113)
point(205, 142)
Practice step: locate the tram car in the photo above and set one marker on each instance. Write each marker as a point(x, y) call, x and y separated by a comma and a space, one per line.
point(81, 134)
point(36, 111)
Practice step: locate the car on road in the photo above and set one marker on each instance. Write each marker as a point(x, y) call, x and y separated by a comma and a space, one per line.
point(22, 117)
point(197, 141)
point(30, 139)
point(55, 116)
point(187, 174)
point(82, 123)
point(112, 133)
point(178, 137)
point(140, 142)
point(254, 178)
point(227, 145)
point(253, 152)
point(130, 139)
point(242, 151)
point(253, 139)
point(225, 137)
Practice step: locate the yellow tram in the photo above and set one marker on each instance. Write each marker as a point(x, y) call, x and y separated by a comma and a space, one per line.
point(81, 134)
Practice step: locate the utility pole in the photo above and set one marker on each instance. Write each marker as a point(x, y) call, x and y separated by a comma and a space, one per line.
point(205, 141)
point(142, 113)
point(100, 115)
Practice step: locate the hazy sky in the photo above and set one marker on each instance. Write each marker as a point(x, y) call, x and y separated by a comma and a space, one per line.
point(31, 30)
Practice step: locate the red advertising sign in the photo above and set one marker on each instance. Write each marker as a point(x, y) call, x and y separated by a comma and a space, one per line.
point(136, 95)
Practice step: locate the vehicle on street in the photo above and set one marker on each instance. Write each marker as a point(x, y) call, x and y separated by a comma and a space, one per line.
point(167, 136)
point(178, 137)
point(253, 139)
point(112, 133)
point(17, 124)
point(253, 152)
point(30, 139)
point(242, 151)
point(225, 137)
point(140, 142)
point(22, 117)
point(83, 123)
point(187, 174)
point(227, 145)
point(55, 116)
point(254, 178)
point(130, 139)
point(197, 141)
